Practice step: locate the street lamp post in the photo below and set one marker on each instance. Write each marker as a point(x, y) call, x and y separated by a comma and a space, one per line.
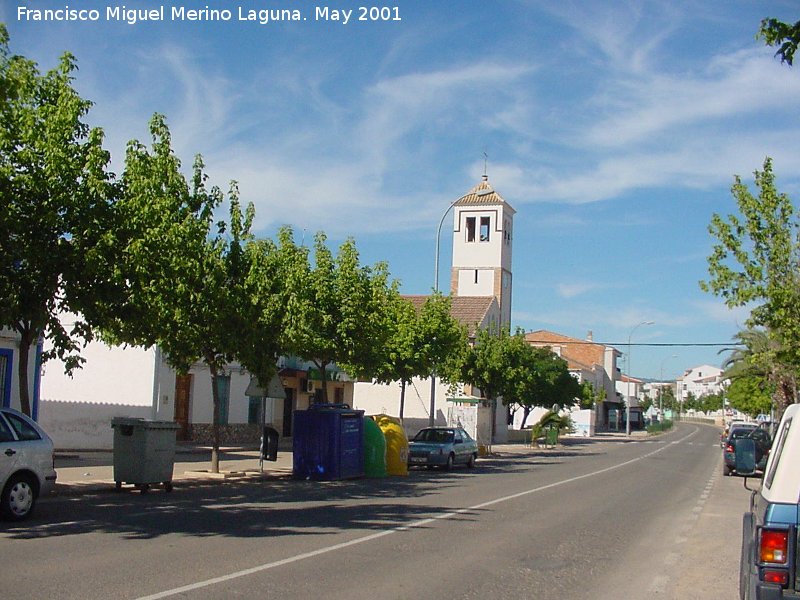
point(628, 403)
point(432, 413)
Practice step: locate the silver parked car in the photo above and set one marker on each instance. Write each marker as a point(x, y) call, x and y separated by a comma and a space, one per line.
point(26, 464)
point(443, 447)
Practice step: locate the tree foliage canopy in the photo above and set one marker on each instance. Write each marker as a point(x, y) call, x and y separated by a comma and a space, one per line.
point(421, 343)
point(783, 35)
point(337, 307)
point(501, 364)
point(755, 263)
point(55, 193)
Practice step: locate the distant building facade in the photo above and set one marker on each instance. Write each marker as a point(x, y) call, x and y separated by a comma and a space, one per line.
point(590, 362)
point(700, 381)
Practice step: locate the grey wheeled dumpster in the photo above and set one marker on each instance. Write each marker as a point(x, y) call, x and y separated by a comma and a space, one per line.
point(144, 452)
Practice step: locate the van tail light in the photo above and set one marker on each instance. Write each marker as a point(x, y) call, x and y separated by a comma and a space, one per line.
point(774, 546)
point(729, 448)
point(779, 577)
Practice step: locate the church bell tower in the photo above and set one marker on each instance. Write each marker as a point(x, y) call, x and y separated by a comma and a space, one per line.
point(482, 242)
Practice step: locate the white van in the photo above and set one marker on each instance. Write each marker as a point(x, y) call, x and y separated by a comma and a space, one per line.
point(770, 561)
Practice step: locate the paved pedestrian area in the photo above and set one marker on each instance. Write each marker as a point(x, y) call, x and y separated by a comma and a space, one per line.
point(82, 471)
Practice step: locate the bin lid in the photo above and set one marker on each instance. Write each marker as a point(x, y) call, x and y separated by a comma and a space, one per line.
point(143, 423)
point(126, 421)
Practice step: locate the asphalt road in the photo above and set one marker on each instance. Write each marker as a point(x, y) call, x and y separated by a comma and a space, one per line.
point(608, 520)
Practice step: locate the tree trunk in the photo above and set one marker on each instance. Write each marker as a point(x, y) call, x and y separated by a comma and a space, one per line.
point(215, 422)
point(25, 343)
point(784, 394)
point(526, 412)
point(402, 397)
point(322, 366)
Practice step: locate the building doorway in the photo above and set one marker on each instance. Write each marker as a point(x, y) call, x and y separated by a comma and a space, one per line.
point(183, 399)
point(289, 404)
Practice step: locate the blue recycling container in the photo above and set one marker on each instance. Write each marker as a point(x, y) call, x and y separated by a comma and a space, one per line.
point(328, 442)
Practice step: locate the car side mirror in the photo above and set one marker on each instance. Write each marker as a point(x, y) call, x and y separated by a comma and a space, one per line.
point(745, 456)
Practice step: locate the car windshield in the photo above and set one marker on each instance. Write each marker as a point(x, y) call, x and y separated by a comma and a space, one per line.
point(438, 436)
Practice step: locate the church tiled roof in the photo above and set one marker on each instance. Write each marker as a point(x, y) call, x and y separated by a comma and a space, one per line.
point(467, 310)
point(481, 194)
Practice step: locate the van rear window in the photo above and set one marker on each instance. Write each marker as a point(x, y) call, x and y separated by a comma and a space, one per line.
point(777, 450)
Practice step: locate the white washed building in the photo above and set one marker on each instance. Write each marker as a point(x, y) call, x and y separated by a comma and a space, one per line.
point(700, 381)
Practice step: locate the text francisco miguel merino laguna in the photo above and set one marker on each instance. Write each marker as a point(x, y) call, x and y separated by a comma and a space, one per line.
point(132, 16)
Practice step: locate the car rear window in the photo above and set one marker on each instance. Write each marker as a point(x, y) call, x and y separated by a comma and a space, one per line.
point(23, 429)
point(435, 435)
point(756, 434)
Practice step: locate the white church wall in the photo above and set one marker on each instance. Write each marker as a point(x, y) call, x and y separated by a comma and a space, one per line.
point(376, 399)
point(476, 282)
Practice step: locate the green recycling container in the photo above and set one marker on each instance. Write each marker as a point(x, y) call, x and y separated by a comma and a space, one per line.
point(551, 436)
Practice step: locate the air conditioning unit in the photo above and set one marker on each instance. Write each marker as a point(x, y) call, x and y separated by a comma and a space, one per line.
point(309, 386)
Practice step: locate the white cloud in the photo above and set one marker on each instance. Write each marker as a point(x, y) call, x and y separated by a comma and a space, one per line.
point(650, 106)
point(715, 310)
point(571, 290)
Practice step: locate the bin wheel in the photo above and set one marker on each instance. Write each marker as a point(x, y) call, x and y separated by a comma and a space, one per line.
point(168, 486)
point(118, 485)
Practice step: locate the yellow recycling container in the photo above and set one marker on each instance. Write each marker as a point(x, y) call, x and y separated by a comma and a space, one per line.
point(396, 444)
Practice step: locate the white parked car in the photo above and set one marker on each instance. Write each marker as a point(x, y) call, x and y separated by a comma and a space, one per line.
point(26, 464)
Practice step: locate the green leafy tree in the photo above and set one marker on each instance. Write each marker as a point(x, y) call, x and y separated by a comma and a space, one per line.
point(710, 402)
point(264, 312)
point(667, 399)
point(202, 291)
point(421, 343)
point(754, 358)
point(689, 402)
point(55, 193)
point(754, 263)
point(505, 365)
point(337, 310)
point(589, 396)
point(542, 379)
point(780, 34)
point(750, 395)
point(494, 364)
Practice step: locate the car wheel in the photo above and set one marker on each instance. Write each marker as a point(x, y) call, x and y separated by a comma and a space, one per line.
point(726, 470)
point(19, 498)
point(471, 461)
point(449, 464)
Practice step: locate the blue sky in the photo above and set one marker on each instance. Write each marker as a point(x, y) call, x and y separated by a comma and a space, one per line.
point(613, 128)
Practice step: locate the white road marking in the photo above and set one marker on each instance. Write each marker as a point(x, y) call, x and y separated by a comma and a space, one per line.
point(374, 536)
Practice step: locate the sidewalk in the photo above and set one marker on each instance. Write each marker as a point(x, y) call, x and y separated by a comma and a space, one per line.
point(84, 471)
